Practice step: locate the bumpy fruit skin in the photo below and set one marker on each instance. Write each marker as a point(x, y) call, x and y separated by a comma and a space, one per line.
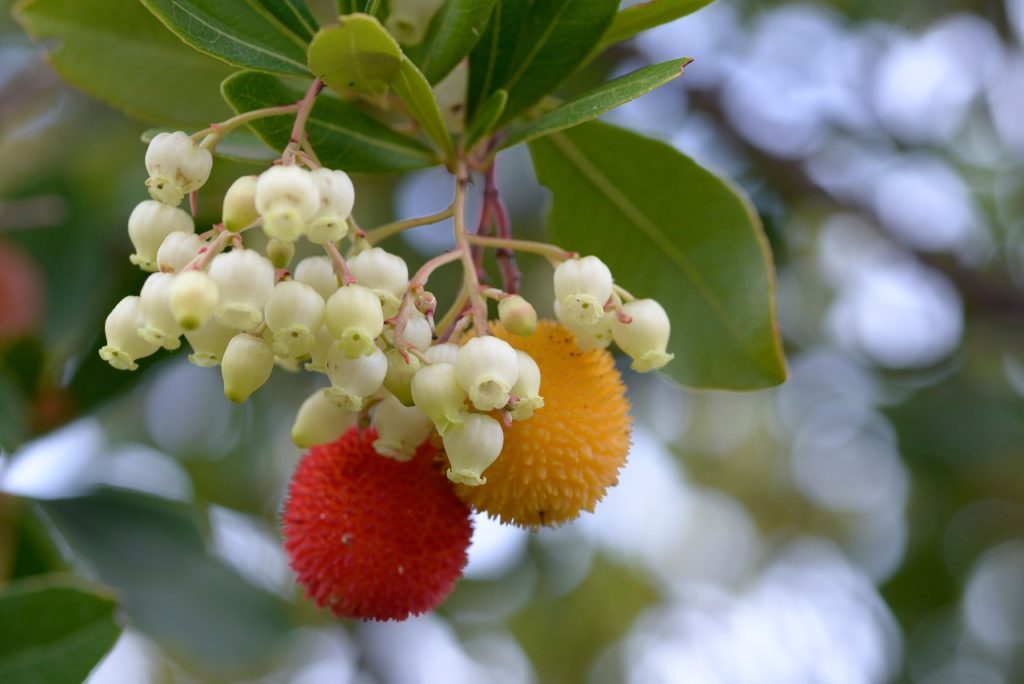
point(371, 537)
point(562, 460)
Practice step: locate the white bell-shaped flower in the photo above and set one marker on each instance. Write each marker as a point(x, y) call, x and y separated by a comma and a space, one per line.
point(149, 225)
point(400, 429)
point(239, 208)
point(409, 19)
point(451, 94)
point(286, 198)
point(645, 338)
point(245, 280)
point(588, 337)
point(322, 346)
point(472, 446)
point(294, 313)
point(445, 352)
point(398, 380)
point(124, 344)
point(337, 197)
point(279, 253)
point(177, 166)
point(192, 298)
point(385, 273)
point(177, 250)
point(355, 318)
point(160, 325)
point(517, 316)
point(583, 287)
point(354, 379)
point(209, 342)
point(417, 332)
point(318, 273)
point(527, 387)
point(487, 368)
point(320, 421)
point(247, 364)
point(437, 393)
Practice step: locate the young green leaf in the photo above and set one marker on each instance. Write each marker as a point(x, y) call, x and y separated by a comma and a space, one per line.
point(646, 15)
point(490, 59)
point(236, 32)
point(484, 120)
point(452, 33)
point(356, 56)
point(672, 231)
point(598, 101)
point(54, 628)
point(121, 54)
point(343, 136)
point(412, 89)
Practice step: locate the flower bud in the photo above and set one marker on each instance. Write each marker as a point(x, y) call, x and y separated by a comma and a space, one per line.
point(280, 253)
point(409, 19)
point(149, 224)
point(193, 297)
point(487, 368)
point(472, 446)
point(159, 324)
point(286, 198)
point(355, 319)
point(124, 345)
point(437, 393)
point(324, 342)
point(451, 95)
point(646, 337)
point(400, 429)
point(354, 379)
point(517, 316)
point(385, 273)
point(245, 280)
point(320, 421)
point(417, 332)
point(247, 364)
point(337, 197)
point(527, 388)
point(318, 273)
point(445, 352)
point(594, 336)
point(582, 287)
point(177, 250)
point(398, 380)
point(177, 166)
point(294, 313)
point(209, 343)
point(239, 210)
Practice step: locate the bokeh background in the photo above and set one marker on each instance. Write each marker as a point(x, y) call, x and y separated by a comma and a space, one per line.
point(862, 523)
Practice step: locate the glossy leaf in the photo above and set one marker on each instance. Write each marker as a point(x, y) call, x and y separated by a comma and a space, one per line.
point(343, 136)
point(484, 120)
point(672, 231)
point(121, 54)
point(452, 33)
point(294, 15)
point(239, 145)
point(598, 101)
point(412, 89)
point(556, 37)
point(356, 56)
point(235, 31)
point(646, 15)
point(54, 628)
point(490, 58)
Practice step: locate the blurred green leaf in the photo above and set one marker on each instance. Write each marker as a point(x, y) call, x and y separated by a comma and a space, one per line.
point(118, 52)
point(598, 101)
point(30, 548)
point(452, 34)
point(484, 120)
point(670, 230)
point(240, 32)
point(54, 629)
point(349, 6)
point(344, 136)
point(413, 90)
point(356, 56)
point(647, 15)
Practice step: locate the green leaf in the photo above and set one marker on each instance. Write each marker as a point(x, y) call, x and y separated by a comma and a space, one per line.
point(489, 61)
point(484, 120)
point(452, 33)
point(555, 39)
point(415, 93)
point(294, 15)
point(343, 136)
point(672, 231)
point(119, 53)
point(54, 629)
point(646, 15)
point(239, 145)
point(356, 56)
point(239, 32)
point(598, 101)
point(349, 6)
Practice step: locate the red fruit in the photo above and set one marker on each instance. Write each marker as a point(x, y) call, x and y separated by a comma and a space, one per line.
point(371, 537)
